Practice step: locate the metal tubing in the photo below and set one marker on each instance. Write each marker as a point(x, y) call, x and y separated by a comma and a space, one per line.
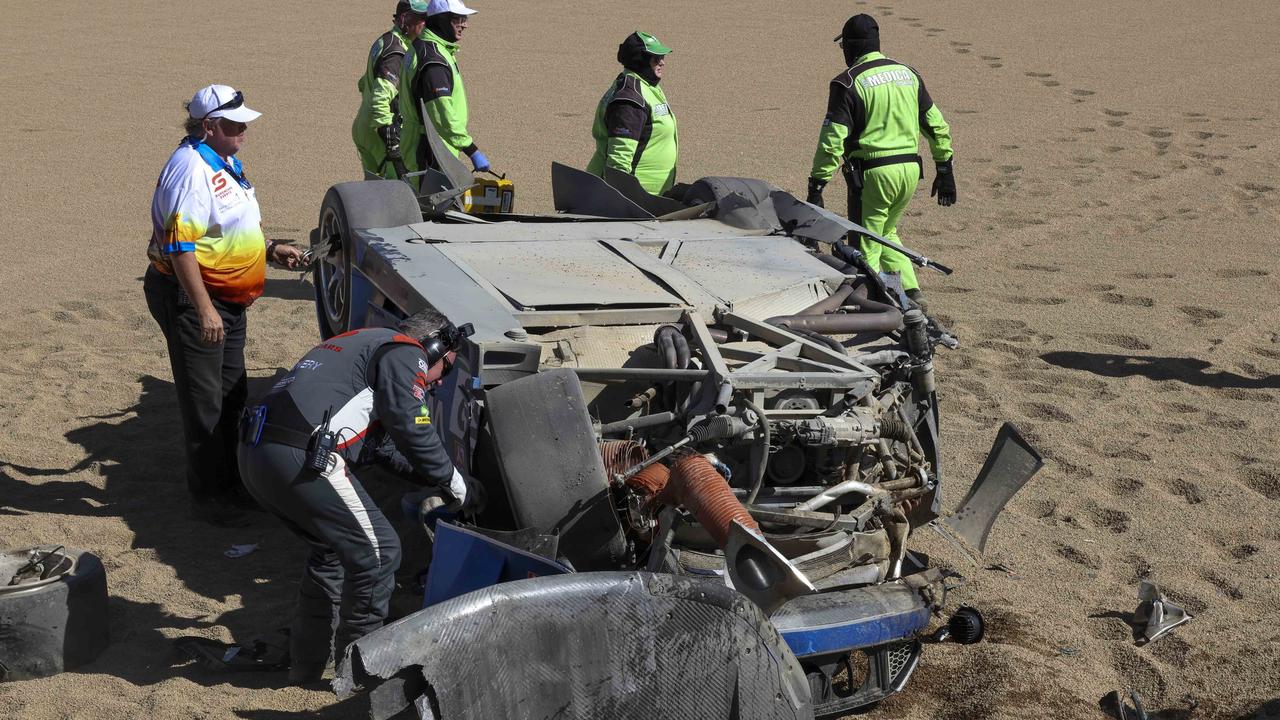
point(636, 423)
point(830, 494)
point(758, 481)
point(831, 302)
point(842, 324)
point(638, 373)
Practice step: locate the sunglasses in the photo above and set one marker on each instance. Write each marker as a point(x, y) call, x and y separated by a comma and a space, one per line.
point(236, 101)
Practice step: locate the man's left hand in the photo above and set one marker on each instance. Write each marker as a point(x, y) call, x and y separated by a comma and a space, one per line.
point(288, 256)
point(944, 184)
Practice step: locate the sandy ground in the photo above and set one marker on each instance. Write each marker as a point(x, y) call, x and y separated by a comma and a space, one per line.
point(1116, 294)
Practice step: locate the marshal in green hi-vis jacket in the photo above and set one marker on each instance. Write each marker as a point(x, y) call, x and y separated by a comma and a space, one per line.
point(431, 76)
point(634, 129)
point(379, 109)
point(876, 111)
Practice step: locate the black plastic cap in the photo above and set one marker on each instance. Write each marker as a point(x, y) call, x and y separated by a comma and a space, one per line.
point(966, 626)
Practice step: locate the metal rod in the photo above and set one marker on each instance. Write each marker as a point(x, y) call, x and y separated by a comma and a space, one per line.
point(636, 423)
point(634, 373)
point(829, 495)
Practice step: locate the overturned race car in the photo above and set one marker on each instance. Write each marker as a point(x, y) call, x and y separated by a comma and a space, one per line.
point(707, 431)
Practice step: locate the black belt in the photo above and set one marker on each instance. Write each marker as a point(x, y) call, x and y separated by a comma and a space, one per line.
point(892, 160)
point(254, 430)
point(284, 436)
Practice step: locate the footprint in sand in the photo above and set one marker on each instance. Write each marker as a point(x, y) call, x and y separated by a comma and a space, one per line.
point(1241, 273)
point(1037, 268)
point(1245, 551)
point(1126, 487)
point(1112, 148)
point(1200, 314)
point(1157, 133)
point(1124, 342)
point(1186, 489)
point(1050, 83)
point(1262, 481)
point(1080, 557)
point(1115, 123)
point(1130, 300)
point(1203, 135)
point(1224, 587)
point(1254, 191)
point(1045, 412)
point(1115, 113)
point(1038, 74)
point(1139, 674)
point(1046, 301)
point(1082, 93)
point(1117, 521)
point(1085, 129)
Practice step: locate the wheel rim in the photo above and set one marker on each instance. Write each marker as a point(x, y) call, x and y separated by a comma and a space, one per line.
point(332, 285)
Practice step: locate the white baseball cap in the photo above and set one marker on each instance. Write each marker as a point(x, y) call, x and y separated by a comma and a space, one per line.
point(221, 101)
point(436, 7)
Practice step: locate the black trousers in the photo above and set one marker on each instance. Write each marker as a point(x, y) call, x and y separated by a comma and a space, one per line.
point(210, 380)
point(350, 572)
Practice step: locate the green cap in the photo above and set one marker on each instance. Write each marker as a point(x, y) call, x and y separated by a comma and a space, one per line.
point(652, 45)
point(416, 6)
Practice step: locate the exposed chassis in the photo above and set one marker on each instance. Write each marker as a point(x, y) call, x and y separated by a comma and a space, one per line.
point(606, 345)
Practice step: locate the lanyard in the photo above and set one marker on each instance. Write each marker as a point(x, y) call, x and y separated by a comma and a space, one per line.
point(215, 161)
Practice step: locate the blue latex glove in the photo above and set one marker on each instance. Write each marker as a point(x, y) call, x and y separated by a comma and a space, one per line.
point(479, 161)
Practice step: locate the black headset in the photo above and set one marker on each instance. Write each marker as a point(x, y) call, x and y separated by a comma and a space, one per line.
point(445, 341)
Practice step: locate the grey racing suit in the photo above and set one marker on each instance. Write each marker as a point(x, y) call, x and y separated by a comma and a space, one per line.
point(373, 384)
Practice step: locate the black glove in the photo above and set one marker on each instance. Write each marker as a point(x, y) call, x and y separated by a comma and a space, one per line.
point(465, 502)
point(390, 135)
point(944, 184)
point(816, 187)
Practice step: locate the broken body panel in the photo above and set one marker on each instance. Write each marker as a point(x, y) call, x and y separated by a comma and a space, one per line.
point(607, 350)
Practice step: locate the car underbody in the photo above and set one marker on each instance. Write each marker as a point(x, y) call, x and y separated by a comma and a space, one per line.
point(707, 431)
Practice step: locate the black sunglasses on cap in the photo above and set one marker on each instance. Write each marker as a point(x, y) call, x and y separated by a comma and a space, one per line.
point(236, 101)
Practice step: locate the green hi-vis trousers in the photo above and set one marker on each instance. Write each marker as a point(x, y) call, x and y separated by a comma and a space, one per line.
point(886, 191)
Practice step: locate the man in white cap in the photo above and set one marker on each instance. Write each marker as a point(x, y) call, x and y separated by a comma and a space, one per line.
point(431, 78)
point(208, 264)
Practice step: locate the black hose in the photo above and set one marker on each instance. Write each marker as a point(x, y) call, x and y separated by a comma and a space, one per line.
point(763, 440)
point(672, 343)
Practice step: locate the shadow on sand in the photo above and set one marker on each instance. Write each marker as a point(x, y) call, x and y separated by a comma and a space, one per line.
point(1188, 370)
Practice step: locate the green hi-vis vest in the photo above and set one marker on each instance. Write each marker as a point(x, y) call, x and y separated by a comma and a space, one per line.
point(442, 92)
point(635, 132)
point(378, 89)
point(875, 109)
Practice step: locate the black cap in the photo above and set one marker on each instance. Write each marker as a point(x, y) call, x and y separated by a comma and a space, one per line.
point(859, 27)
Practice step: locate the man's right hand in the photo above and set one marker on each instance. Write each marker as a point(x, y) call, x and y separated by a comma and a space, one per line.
point(468, 494)
point(390, 135)
point(212, 331)
point(816, 187)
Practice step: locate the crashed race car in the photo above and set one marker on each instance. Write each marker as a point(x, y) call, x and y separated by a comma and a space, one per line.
point(707, 432)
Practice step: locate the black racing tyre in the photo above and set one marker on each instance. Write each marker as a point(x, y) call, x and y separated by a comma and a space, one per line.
point(55, 624)
point(347, 207)
point(713, 188)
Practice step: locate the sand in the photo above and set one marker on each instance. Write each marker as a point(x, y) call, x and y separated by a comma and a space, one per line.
point(1115, 292)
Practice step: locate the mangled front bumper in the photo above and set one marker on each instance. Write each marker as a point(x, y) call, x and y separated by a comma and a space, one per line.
point(588, 645)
